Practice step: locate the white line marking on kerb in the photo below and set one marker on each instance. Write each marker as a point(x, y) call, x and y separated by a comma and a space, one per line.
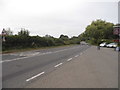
point(35, 76)
point(76, 55)
point(58, 64)
point(69, 59)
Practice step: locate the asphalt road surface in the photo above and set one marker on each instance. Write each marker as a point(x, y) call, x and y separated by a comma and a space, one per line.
point(21, 69)
point(91, 68)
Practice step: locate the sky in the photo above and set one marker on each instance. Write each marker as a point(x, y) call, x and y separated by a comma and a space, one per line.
point(55, 17)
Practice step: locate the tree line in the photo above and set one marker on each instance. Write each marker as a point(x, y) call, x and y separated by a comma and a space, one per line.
point(24, 40)
point(98, 31)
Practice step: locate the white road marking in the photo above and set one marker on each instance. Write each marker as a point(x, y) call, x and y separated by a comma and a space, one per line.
point(76, 55)
point(60, 50)
point(36, 54)
point(22, 54)
point(35, 76)
point(45, 53)
point(69, 59)
point(14, 59)
point(58, 64)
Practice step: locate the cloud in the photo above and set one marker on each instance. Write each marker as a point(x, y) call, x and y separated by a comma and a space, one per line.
point(55, 17)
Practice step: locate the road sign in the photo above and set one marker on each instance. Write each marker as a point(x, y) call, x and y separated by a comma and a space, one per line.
point(3, 35)
point(3, 32)
point(116, 30)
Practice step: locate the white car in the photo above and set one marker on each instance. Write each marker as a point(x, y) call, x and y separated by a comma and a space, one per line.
point(114, 45)
point(103, 44)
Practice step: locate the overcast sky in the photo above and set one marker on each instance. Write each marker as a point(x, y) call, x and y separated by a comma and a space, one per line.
point(55, 17)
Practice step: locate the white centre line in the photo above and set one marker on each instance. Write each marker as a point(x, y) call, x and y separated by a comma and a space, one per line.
point(76, 55)
point(69, 59)
point(35, 76)
point(58, 64)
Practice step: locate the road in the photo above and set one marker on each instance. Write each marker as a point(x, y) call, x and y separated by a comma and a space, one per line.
point(21, 69)
point(90, 69)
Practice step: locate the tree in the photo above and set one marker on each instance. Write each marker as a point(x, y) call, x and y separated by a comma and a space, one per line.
point(64, 37)
point(23, 32)
point(9, 32)
point(99, 30)
point(75, 40)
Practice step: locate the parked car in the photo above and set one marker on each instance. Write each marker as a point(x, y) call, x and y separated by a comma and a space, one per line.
point(103, 44)
point(112, 45)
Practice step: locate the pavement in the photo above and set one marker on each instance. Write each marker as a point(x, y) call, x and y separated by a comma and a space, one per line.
point(91, 68)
